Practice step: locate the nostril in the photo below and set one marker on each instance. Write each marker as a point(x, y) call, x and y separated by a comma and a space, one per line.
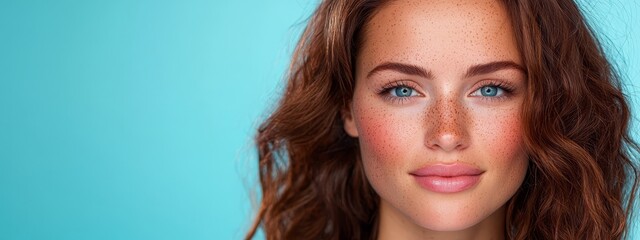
point(448, 141)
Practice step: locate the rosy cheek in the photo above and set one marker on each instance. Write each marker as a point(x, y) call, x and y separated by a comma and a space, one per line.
point(385, 135)
point(376, 134)
point(378, 147)
point(387, 131)
point(503, 137)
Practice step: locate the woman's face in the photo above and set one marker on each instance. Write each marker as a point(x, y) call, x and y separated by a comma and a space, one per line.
point(436, 108)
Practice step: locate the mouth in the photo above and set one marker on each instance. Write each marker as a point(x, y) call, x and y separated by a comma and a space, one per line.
point(452, 178)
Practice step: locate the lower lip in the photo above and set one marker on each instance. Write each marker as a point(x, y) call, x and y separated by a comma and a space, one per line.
point(447, 184)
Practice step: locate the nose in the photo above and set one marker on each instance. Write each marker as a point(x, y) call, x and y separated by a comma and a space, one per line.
point(447, 130)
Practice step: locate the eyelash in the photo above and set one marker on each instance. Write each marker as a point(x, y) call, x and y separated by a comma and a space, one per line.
point(384, 90)
point(506, 88)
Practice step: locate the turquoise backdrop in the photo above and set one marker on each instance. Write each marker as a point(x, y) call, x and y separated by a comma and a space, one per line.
point(134, 119)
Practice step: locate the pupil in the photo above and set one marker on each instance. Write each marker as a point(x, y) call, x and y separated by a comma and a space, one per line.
point(403, 91)
point(489, 91)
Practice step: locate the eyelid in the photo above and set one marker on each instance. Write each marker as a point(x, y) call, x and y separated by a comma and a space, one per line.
point(384, 91)
point(507, 88)
point(399, 83)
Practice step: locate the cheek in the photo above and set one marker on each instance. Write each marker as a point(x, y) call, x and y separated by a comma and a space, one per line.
point(378, 134)
point(386, 138)
point(504, 136)
point(502, 139)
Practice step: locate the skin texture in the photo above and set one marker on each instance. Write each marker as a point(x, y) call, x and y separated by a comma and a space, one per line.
point(446, 119)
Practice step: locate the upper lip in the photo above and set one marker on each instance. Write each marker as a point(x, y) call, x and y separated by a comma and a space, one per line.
point(447, 170)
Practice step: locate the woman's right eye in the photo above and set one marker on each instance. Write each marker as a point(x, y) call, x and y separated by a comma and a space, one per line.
point(399, 92)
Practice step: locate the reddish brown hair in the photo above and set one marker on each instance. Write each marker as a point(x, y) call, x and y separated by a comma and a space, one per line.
point(581, 180)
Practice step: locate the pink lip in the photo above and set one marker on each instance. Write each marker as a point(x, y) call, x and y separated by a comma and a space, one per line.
point(450, 178)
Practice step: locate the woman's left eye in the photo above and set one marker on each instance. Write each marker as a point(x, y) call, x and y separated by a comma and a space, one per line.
point(490, 91)
point(403, 91)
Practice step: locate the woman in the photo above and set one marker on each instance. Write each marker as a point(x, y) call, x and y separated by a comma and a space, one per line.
point(447, 120)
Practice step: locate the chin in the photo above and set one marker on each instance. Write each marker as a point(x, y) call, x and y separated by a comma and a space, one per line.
point(447, 224)
point(449, 218)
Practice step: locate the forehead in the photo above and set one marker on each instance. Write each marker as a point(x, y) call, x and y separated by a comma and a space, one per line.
point(426, 32)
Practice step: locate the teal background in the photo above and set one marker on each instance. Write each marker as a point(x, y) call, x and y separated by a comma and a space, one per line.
point(134, 119)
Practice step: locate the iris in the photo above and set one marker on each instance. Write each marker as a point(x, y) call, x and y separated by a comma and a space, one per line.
point(489, 91)
point(403, 91)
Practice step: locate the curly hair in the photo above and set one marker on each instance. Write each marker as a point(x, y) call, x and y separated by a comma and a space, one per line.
point(581, 180)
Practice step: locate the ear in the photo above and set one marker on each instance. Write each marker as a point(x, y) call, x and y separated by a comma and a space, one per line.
point(348, 122)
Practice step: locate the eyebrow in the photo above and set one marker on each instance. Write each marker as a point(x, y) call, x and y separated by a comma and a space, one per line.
point(493, 67)
point(474, 70)
point(403, 68)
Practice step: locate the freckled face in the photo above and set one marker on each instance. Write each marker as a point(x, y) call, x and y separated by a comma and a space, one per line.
point(406, 120)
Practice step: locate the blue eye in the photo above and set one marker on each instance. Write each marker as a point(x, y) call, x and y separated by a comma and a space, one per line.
point(402, 91)
point(399, 92)
point(489, 91)
point(492, 91)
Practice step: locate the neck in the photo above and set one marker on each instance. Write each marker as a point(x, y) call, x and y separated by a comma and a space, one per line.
point(395, 225)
